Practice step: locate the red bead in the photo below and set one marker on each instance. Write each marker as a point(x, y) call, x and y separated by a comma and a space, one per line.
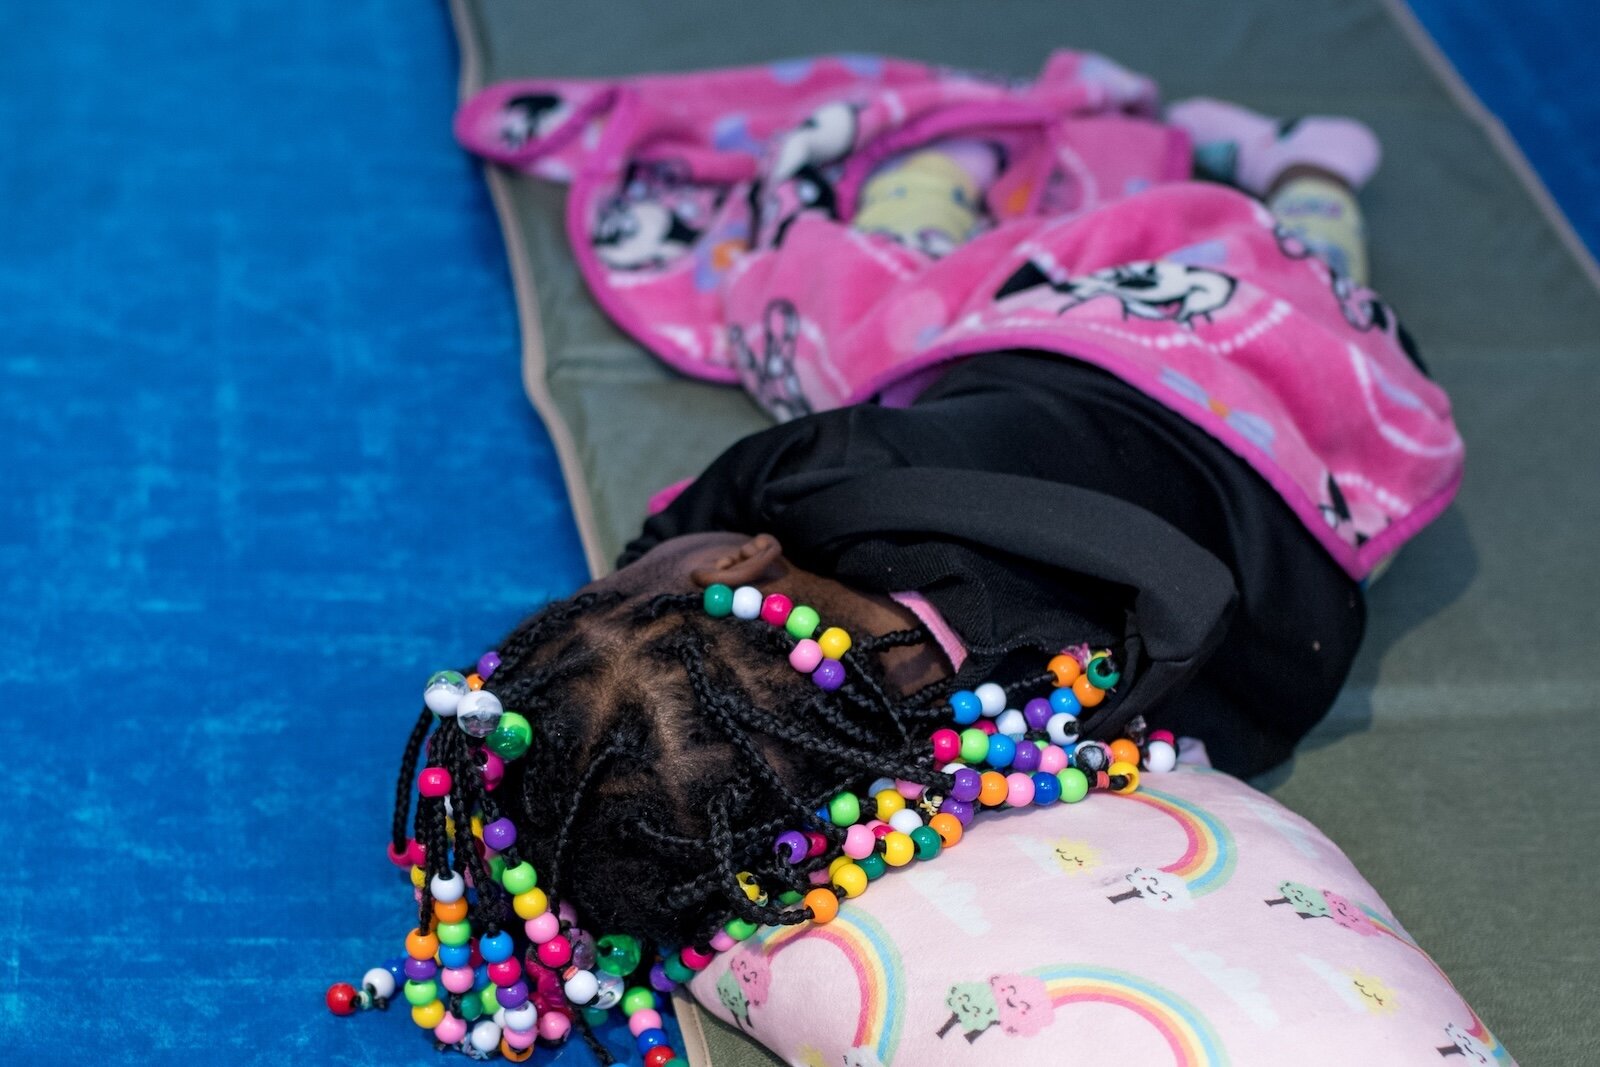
point(433, 782)
point(694, 959)
point(659, 1055)
point(341, 998)
point(775, 609)
point(817, 844)
point(505, 972)
point(946, 746)
point(555, 952)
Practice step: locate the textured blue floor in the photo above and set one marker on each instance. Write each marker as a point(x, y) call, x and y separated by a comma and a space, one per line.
point(265, 465)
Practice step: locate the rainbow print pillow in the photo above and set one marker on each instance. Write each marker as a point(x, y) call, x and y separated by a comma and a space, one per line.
point(1196, 923)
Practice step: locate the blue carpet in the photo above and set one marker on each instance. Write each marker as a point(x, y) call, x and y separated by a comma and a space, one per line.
point(266, 465)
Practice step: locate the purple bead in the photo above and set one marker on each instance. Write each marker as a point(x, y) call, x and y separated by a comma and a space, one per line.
point(1027, 757)
point(966, 784)
point(1037, 711)
point(500, 834)
point(961, 809)
point(791, 845)
point(488, 663)
point(514, 995)
point(421, 970)
point(659, 980)
point(829, 675)
point(582, 949)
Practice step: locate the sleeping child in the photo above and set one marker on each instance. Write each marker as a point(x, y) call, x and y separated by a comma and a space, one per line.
point(1075, 458)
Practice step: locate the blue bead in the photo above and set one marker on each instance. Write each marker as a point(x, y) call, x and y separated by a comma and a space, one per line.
point(967, 707)
point(649, 1039)
point(496, 947)
point(455, 955)
point(480, 977)
point(397, 967)
point(1046, 788)
point(1064, 701)
point(1001, 751)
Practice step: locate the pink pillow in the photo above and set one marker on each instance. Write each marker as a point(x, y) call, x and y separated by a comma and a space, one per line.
point(1198, 922)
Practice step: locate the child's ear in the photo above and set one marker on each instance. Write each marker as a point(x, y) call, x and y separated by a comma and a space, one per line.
point(758, 560)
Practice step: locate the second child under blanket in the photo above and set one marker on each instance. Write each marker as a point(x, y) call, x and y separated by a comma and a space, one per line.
point(752, 225)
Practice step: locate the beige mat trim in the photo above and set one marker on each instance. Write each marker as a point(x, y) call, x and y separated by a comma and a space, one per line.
point(1456, 86)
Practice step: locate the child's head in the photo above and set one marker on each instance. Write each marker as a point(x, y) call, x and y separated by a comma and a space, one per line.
point(669, 748)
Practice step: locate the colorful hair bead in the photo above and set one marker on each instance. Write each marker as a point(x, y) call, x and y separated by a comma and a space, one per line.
point(974, 745)
point(806, 656)
point(1088, 694)
point(1012, 723)
point(341, 998)
point(1025, 758)
point(1074, 784)
point(824, 906)
point(718, 601)
point(1102, 671)
point(1128, 773)
point(887, 802)
point(802, 622)
point(775, 609)
point(1001, 751)
point(946, 745)
point(991, 699)
point(898, 848)
point(443, 692)
point(834, 643)
point(433, 782)
point(511, 736)
point(1065, 669)
point(479, 713)
point(747, 602)
point(948, 827)
point(1036, 713)
point(1160, 757)
point(844, 809)
point(994, 790)
point(965, 706)
point(428, 1015)
point(829, 675)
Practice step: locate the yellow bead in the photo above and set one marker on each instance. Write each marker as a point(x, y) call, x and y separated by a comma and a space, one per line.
point(751, 887)
point(530, 905)
point(1129, 771)
point(834, 643)
point(838, 862)
point(850, 878)
point(428, 1015)
point(477, 827)
point(450, 827)
point(889, 801)
point(418, 877)
point(898, 848)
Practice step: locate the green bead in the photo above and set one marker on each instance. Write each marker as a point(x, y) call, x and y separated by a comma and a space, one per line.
point(974, 746)
point(1074, 785)
point(420, 993)
point(740, 929)
point(718, 601)
point(803, 622)
point(618, 954)
point(792, 896)
point(471, 1006)
point(596, 1017)
point(928, 842)
point(1103, 673)
point(873, 865)
point(511, 738)
point(497, 867)
point(675, 970)
point(519, 879)
point(491, 1002)
point(454, 933)
point(845, 809)
point(637, 999)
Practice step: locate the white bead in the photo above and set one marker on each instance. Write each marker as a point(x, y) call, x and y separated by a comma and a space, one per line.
point(992, 697)
point(500, 1018)
point(447, 889)
point(747, 602)
point(479, 713)
point(879, 785)
point(443, 692)
point(1063, 728)
point(1012, 723)
point(1160, 757)
point(905, 820)
point(581, 987)
point(379, 982)
point(522, 1017)
point(486, 1035)
point(611, 990)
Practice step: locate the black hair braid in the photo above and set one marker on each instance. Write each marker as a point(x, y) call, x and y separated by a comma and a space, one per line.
point(431, 832)
point(527, 639)
point(722, 847)
point(914, 635)
point(598, 761)
point(407, 780)
point(602, 1055)
point(465, 773)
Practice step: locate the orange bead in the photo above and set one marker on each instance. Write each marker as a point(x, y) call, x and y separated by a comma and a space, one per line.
point(474, 682)
point(1065, 668)
point(421, 946)
point(452, 912)
point(515, 1055)
point(823, 904)
point(992, 789)
point(948, 827)
point(1124, 751)
point(1086, 692)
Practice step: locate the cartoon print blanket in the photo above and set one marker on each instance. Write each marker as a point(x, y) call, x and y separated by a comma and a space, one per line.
point(715, 217)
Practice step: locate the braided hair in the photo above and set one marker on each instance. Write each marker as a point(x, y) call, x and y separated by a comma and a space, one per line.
point(669, 749)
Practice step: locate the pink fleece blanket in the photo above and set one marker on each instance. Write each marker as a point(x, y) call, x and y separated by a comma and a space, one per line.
point(711, 217)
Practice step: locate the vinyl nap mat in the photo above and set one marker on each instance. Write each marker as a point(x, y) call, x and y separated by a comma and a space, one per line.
point(1479, 654)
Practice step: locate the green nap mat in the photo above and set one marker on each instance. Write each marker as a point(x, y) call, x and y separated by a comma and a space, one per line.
point(1453, 770)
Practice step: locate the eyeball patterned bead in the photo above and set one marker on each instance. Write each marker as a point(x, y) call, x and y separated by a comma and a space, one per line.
point(478, 713)
point(443, 692)
point(379, 983)
point(1063, 729)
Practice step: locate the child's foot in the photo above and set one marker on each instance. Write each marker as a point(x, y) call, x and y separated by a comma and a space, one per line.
point(1252, 151)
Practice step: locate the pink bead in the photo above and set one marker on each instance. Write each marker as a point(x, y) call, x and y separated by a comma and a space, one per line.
point(433, 782)
point(694, 959)
point(456, 979)
point(805, 656)
point(519, 1039)
point(450, 1029)
point(553, 1026)
point(566, 914)
point(505, 972)
point(542, 928)
point(1019, 790)
point(879, 828)
point(819, 877)
point(817, 844)
point(557, 951)
point(913, 790)
point(775, 609)
point(1052, 759)
point(494, 769)
point(416, 853)
point(722, 941)
point(640, 1021)
point(399, 859)
point(946, 745)
point(986, 725)
point(1164, 735)
point(858, 842)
